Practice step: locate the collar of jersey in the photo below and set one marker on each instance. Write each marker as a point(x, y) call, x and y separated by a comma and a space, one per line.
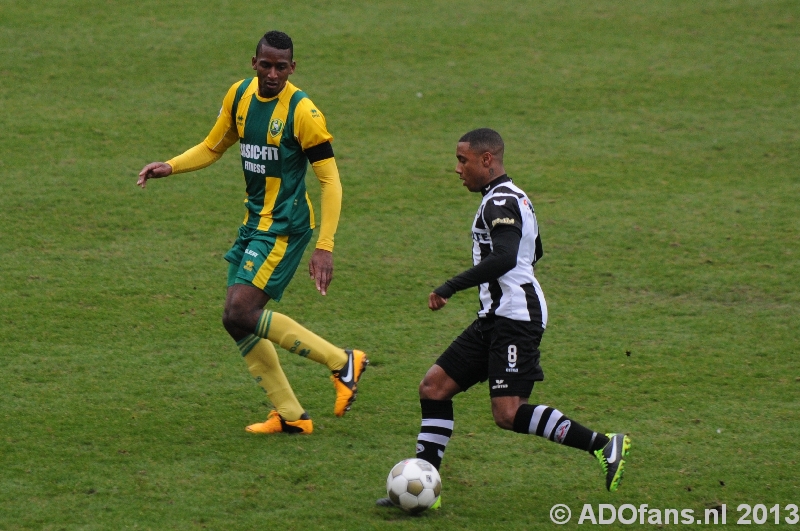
point(278, 95)
point(500, 180)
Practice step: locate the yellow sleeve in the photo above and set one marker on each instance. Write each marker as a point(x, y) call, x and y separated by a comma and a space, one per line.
point(309, 125)
point(222, 136)
point(310, 130)
point(194, 159)
point(331, 186)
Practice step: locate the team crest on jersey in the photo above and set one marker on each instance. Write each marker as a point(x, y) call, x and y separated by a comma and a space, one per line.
point(275, 127)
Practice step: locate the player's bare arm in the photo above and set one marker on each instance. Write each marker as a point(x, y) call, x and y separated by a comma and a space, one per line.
point(154, 170)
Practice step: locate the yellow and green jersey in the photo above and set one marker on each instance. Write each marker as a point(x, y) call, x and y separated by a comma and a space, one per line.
point(278, 137)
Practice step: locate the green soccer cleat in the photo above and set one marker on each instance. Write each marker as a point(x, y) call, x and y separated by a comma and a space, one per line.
point(612, 458)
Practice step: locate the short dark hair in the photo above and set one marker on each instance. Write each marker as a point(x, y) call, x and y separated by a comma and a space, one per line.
point(483, 140)
point(278, 40)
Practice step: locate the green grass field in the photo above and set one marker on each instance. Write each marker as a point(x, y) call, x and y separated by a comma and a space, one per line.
point(659, 141)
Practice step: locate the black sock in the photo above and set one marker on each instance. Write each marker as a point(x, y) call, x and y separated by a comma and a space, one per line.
point(435, 431)
point(551, 424)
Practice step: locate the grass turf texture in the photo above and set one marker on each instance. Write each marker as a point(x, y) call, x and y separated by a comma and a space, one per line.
point(658, 140)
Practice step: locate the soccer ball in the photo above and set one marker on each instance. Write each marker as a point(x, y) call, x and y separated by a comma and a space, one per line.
point(413, 485)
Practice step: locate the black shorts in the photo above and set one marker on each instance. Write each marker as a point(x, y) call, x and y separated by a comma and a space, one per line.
point(504, 351)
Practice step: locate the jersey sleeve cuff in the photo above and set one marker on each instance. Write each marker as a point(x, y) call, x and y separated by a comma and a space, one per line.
point(445, 291)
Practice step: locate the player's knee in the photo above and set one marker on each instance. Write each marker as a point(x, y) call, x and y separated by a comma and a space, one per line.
point(425, 389)
point(228, 320)
point(504, 418)
point(428, 390)
point(235, 319)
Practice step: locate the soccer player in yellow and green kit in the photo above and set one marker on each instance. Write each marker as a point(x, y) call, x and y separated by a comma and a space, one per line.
point(279, 131)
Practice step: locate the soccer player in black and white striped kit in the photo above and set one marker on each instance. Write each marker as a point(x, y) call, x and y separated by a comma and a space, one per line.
point(502, 344)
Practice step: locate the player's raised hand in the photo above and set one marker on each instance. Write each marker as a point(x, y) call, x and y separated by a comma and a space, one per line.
point(154, 170)
point(436, 302)
point(320, 268)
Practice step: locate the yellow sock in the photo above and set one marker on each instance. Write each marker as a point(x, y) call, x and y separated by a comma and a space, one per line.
point(262, 362)
point(287, 333)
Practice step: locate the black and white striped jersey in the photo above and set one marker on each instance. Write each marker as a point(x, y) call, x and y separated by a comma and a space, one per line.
point(516, 294)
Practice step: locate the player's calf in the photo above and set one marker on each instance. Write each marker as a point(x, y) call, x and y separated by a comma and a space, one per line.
point(551, 424)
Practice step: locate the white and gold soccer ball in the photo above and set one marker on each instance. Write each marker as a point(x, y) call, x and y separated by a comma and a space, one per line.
point(413, 485)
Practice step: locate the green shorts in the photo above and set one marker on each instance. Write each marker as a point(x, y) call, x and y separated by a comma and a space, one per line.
point(265, 260)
